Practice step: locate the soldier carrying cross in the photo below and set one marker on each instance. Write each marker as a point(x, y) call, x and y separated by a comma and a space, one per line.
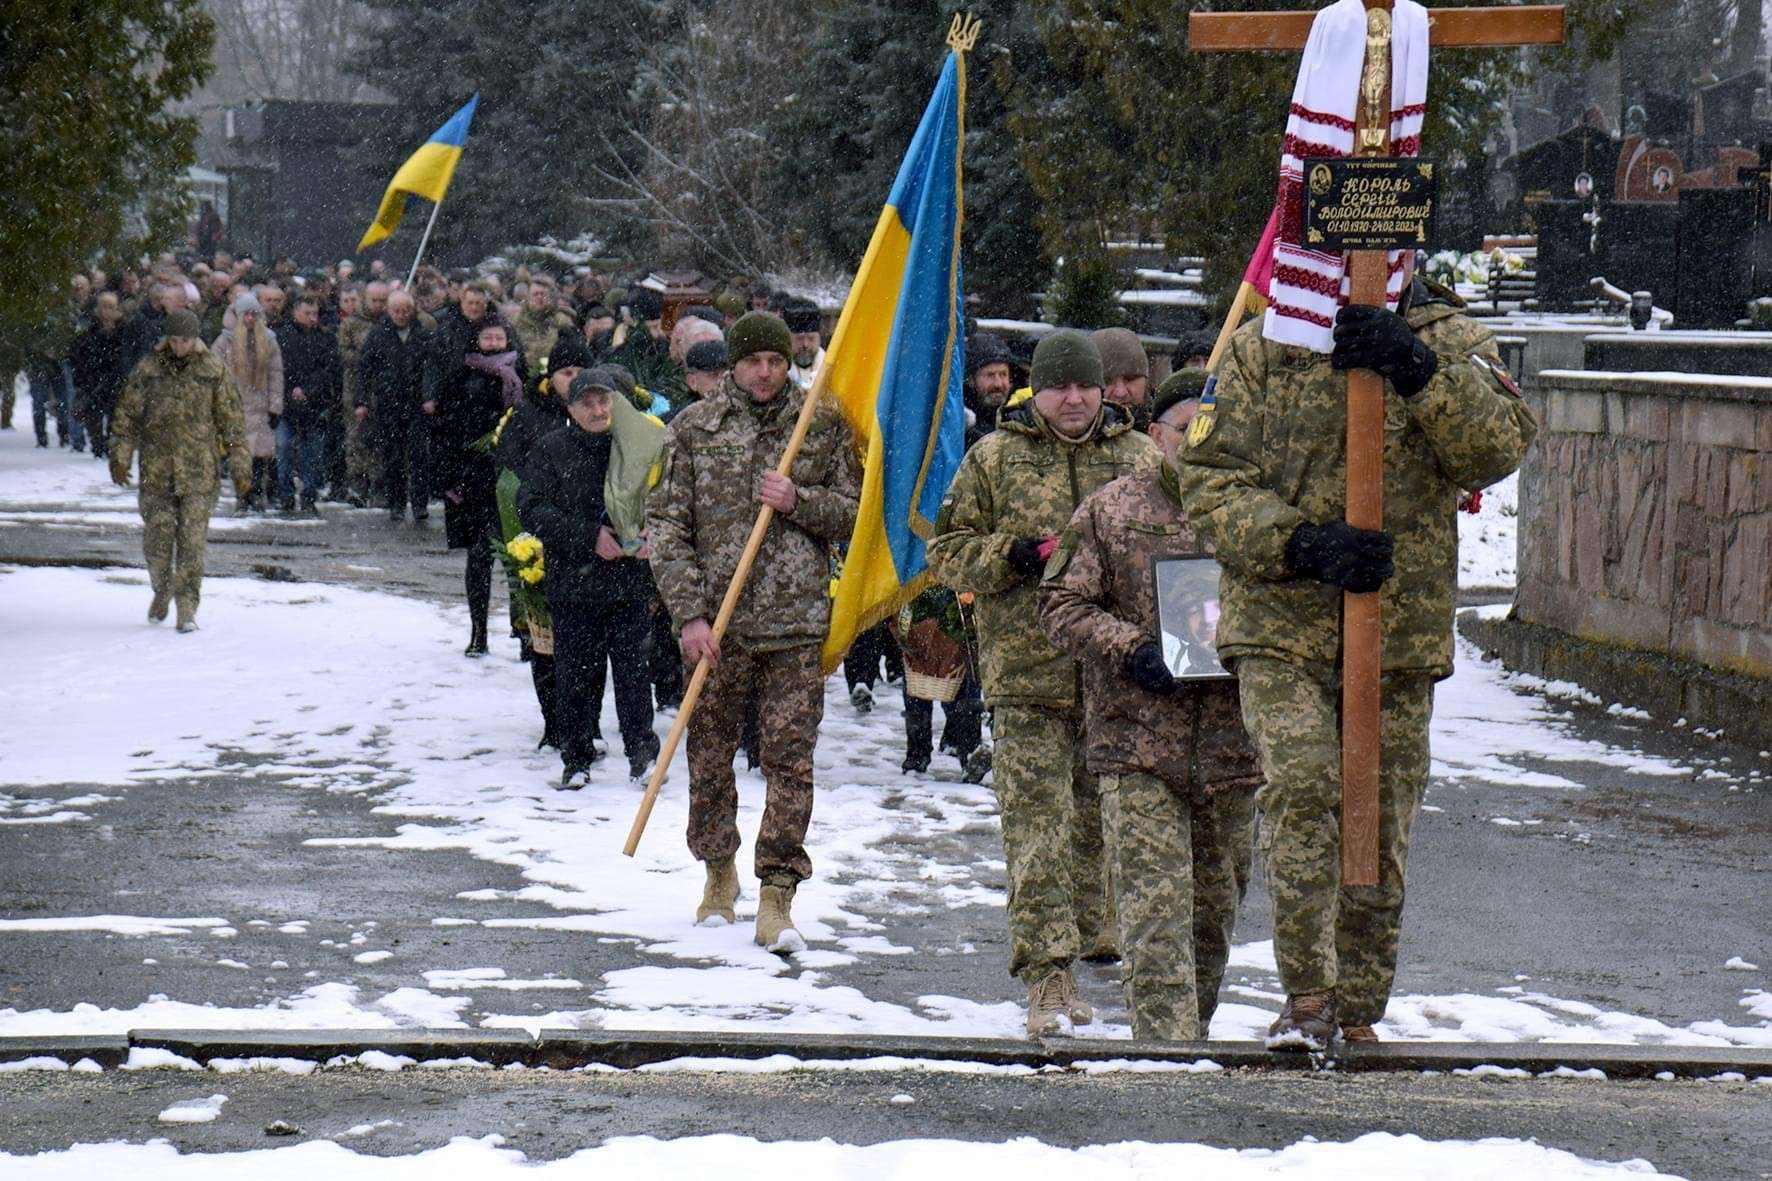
point(1364, 388)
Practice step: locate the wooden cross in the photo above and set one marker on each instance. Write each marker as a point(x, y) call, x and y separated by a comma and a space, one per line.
point(1362, 636)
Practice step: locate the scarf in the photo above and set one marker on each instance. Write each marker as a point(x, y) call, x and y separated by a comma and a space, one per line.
point(502, 366)
point(637, 441)
point(1309, 286)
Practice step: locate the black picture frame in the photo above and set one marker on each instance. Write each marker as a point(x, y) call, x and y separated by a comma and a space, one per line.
point(1186, 587)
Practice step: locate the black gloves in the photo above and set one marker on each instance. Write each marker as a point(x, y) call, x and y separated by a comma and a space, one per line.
point(275, 419)
point(1024, 556)
point(1381, 340)
point(1358, 560)
point(1146, 668)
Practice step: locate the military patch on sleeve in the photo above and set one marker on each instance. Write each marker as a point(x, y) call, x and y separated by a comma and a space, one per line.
point(1200, 429)
point(1499, 373)
point(1061, 557)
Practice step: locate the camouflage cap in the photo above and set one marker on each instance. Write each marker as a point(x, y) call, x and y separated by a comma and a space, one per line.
point(182, 323)
point(1064, 357)
point(758, 332)
point(1178, 387)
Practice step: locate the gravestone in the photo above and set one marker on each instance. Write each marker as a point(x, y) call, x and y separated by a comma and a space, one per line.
point(1716, 257)
point(1635, 247)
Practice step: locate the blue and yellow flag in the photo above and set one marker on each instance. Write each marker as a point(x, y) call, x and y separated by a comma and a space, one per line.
point(896, 365)
point(425, 174)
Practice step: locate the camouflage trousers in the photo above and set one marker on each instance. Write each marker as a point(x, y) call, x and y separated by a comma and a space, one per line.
point(1327, 935)
point(362, 457)
point(1179, 866)
point(791, 686)
point(1051, 812)
point(175, 533)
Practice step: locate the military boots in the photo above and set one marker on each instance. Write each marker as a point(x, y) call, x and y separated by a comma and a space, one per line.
point(1306, 1023)
point(775, 919)
point(718, 894)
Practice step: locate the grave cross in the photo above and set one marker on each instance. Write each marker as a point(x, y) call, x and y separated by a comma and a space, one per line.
point(1361, 633)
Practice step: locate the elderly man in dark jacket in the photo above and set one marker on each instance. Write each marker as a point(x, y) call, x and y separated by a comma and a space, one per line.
point(312, 380)
point(390, 389)
point(597, 596)
point(1176, 768)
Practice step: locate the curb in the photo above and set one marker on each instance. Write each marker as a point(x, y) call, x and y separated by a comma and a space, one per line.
point(565, 1050)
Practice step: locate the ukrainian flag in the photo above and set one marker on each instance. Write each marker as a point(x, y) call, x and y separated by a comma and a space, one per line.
point(426, 174)
point(896, 364)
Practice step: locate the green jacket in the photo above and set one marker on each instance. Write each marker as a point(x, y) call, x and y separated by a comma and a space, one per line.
point(701, 512)
point(1274, 455)
point(537, 333)
point(182, 414)
point(1024, 481)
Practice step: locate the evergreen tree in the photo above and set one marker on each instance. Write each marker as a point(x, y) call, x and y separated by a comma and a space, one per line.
point(95, 161)
point(1136, 135)
point(554, 79)
point(871, 68)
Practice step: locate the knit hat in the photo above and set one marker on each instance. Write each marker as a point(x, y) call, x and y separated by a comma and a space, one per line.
point(702, 311)
point(707, 357)
point(730, 303)
point(1191, 345)
point(1064, 357)
point(595, 380)
point(1180, 386)
point(245, 302)
point(986, 349)
point(758, 332)
point(1121, 353)
point(182, 323)
point(615, 297)
point(646, 304)
point(802, 316)
point(571, 351)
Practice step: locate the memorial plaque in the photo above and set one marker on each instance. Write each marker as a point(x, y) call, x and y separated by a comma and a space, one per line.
point(1370, 203)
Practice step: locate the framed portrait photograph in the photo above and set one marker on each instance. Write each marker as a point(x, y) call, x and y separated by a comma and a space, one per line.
point(1187, 616)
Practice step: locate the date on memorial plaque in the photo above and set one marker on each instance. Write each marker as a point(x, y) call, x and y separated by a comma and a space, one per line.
point(1367, 203)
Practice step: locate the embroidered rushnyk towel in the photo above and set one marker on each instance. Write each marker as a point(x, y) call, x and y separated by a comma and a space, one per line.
point(1308, 286)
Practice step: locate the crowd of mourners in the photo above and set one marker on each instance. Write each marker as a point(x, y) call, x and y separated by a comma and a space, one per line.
point(613, 449)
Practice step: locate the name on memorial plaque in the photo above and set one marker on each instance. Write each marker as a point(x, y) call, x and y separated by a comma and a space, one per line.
point(1375, 203)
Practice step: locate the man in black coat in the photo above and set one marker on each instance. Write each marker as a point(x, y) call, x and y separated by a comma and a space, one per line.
point(100, 360)
point(312, 380)
point(390, 391)
point(457, 328)
point(597, 597)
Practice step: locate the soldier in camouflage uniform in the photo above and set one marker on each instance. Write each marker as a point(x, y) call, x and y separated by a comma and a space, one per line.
point(179, 408)
point(719, 469)
point(362, 466)
point(1015, 491)
point(1263, 479)
point(540, 323)
point(1176, 767)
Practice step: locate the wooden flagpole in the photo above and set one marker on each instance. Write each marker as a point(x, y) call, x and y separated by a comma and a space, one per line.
point(728, 605)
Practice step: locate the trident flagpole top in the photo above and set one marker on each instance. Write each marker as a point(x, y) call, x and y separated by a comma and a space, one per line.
point(963, 32)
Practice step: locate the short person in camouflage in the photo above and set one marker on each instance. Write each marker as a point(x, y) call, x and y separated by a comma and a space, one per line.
point(719, 469)
point(1015, 491)
point(180, 410)
point(1263, 479)
point(1177, 770)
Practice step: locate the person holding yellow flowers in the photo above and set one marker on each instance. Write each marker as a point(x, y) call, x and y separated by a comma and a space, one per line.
point(583, 495)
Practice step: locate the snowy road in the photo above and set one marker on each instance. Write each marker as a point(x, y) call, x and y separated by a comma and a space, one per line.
point(314, 813)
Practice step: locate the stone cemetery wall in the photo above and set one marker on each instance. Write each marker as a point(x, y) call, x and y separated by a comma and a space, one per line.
point(1646, 515)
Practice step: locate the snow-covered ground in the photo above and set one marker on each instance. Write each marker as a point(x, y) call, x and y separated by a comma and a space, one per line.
point(333, 689)
point(1488, 539)
point(1378, 1154)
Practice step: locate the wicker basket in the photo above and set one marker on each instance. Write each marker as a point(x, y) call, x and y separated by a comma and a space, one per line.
point(541, 637)
point(930, 688)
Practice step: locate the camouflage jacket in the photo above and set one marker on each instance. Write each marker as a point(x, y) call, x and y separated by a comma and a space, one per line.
point(700, 515)
point(182, 414)
point(353, 334)
point(537, 333)
point(1273, 454)
point(1023, 481)
point(1099, 603)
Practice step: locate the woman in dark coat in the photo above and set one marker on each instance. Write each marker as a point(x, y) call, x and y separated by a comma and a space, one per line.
point(490, 381)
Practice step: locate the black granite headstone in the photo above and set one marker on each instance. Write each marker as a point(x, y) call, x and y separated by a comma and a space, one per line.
point(1716, 257)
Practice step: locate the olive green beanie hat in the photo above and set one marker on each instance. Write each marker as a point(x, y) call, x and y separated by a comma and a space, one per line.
point(758, 332)
point(1064, 357)
point(1122, 354)
point(1180, 386)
